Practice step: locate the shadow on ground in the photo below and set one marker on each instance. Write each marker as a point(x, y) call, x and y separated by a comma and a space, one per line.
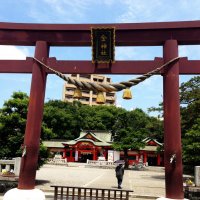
point(158, 177)
point(41, 182)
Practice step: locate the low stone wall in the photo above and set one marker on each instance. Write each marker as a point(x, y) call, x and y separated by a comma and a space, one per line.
point(197, 176)
point(192, 193)
point(98, 163)
point(9, 165)
point(57, 161)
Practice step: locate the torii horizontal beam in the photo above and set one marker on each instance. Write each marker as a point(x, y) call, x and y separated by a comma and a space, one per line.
point(86, 67)
point(130, 34)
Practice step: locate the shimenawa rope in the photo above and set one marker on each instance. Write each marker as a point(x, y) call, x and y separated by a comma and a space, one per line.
point(104, 87)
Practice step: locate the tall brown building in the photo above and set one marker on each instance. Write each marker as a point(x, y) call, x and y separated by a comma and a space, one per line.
point(88, 97)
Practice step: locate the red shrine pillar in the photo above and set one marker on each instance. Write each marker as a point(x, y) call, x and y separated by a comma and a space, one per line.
point(158, 159)
point(94, 153)
point(64, 153)
point(70, 155)
point(145, 157)
point(34, 119)
point(172, 128)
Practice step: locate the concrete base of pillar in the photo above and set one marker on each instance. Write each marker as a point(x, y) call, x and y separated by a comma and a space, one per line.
point(16, 194)
point(163, 198)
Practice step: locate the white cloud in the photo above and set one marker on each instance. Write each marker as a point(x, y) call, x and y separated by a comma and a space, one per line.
point(138, 53)
point(137, 11)
point(190, 51)
point(54, 82)
point(59, 11)
point(16, 78)
point(155, 80)
point(122, 53)
point(13, 53)
point(109, 2)
point(157, 11)
point(75, 6)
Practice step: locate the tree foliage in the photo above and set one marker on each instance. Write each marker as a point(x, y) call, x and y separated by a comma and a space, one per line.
point(190, 118)
point(63, 120)
point(190, 103)
point(155, 129)
point(12, 126)
point(192, 145)
point(158, 109)
point(190, 114)
point(130, 128)
point(98, 117)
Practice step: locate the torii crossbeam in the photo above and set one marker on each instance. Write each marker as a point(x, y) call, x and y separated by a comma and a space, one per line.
point(43, 36)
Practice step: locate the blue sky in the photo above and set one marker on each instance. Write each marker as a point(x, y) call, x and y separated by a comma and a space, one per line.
point(147, 94)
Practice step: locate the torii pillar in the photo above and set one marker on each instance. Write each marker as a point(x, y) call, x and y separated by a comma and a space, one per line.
point(172, 127)
point(26, 185)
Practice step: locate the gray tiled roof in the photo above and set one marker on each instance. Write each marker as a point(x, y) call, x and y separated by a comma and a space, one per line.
point(57, 144)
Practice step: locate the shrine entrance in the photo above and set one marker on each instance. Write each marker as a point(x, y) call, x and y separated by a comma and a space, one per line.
point(85, 155)
point(86, 146)
point(169, 35)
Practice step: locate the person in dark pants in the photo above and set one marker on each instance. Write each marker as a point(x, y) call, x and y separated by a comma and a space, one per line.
point(119, 174)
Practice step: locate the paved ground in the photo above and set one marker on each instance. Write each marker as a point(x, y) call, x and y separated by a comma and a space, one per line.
point(146, 184)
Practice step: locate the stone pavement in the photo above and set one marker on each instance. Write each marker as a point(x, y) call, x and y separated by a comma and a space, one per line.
point(148, 184)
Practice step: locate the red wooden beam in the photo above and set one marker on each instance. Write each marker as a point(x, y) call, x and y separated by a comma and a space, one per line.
point(119, 67)
point(189, 66)
point(86, 67)
point(137, 34)
point(16, 66)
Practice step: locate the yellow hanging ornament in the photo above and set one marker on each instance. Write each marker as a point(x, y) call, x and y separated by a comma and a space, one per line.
point(77, 93)
point(127, 94)
point(100, 98)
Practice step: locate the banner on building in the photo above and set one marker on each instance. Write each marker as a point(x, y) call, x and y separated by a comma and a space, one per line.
point(113, 155)
point(110, 156)
point(76, 155)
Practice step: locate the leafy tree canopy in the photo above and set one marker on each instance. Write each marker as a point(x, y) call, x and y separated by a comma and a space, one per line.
point(190, 102)
point(12, 126)
point(63, 120)
point(191, 144)
point(130, 129)
point(190, 118)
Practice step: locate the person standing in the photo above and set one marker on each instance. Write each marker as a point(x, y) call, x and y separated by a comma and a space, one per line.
point(119, 174)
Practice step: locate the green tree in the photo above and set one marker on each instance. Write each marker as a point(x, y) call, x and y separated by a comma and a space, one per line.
point(90, 119)
point(158, 109)
point(192, 146)
point(12, 125)
point(190, 103)
point(190, 119)
point(63, 119)
point(130, 129)
point(100, 117)
point(155, 128)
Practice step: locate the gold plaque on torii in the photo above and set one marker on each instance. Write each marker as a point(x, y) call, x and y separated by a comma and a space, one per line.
point(103, 45)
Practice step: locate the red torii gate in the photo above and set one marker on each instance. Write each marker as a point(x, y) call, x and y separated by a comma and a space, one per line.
point(166, 34)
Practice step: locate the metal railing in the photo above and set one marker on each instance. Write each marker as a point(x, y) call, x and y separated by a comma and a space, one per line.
point(83, 193)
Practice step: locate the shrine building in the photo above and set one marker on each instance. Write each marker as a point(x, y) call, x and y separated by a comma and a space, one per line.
point(92, 145)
